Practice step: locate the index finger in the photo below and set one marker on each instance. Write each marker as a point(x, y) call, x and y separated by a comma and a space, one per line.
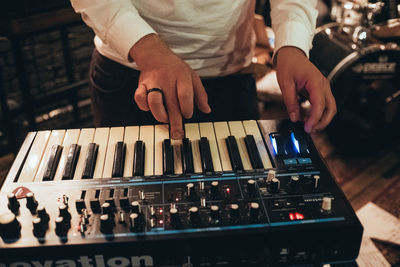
point(174, 114)
point(317, 100)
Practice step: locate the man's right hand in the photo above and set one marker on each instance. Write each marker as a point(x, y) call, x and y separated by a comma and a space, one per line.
point(161, 68)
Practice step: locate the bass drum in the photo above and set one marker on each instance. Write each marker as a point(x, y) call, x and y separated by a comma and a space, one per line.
point(365, 80)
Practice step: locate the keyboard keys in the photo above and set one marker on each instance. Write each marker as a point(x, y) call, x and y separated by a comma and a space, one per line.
point(176, 145)
point(52, 163)
point(161, 132)
point(116, 135)
point(139, 158)
point(205, 153)
point(234, 154)
point(221, 133)
point(192, 132)
point(56, 138)
point(90, 161)
point(207, 130)
point(251, 127)
point(85, 138)
point(147, 136)
point(237, 130)
point(70, 138)
point(101, 137)
point(119, 159)
point(71, 161)
point(131, 135)
point(254, 156)
point(187, 156)
point(168, 157)
point(34, 157)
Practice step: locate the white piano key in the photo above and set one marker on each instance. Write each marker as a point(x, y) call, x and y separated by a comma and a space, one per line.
point(35, 155)
point(161, 133)
point(23, 152)
point(176, 146)
point(71, 137)
point(207, 130)
point(100, 138)
point(146, 134)
point(85, 137)
point(221, 133)
point(237, 130)
point(131, 136)
point(192, 132)
point(116, 135)
point(251, 127)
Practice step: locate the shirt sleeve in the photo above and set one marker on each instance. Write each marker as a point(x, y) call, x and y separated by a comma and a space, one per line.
point(116, 22)
point(293, 22)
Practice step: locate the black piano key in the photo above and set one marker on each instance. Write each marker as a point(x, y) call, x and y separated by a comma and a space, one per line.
point(205, 154)
point(72, 159)
point(52, 163)
point(90, 161)
point(119, 159)
point(187, 156)
point(168, 157)
point(138, 160)
point(234, 154)
point(253, 152)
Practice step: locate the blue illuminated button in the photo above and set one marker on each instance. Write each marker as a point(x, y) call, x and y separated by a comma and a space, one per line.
point(304, 160)
point(290, 162)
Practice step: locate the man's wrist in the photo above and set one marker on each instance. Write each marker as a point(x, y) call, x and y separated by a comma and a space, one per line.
point(284, 50)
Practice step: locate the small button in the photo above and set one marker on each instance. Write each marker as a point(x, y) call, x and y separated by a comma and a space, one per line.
point(304, 161)
point(288, 162)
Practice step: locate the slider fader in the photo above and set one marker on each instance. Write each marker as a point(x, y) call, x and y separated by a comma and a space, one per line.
point(236, 193)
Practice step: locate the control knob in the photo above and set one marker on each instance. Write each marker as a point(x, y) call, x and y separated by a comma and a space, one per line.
point(254, 211)
point(136, 222)
point(214, 190)
point(106, 224)
point(234, 213)
point(275, 185)
point(13, 203)
point(326, 205)
point(214, 214)
point(61, 227)
point(251, 187)
point(31, 202)
point(175, 219)
point(194, 216)
point(135, 207)
point(39, 229)
point(43, 215)
point(10, 228)
point(191, 192)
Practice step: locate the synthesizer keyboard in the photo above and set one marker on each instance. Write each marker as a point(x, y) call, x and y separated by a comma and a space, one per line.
point(237, 193)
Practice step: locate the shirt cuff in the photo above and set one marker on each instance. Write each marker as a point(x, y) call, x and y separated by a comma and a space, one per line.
point(125, 31)
point(293, 33)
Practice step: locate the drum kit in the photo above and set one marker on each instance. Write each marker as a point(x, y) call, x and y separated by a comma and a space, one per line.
point(359, 53)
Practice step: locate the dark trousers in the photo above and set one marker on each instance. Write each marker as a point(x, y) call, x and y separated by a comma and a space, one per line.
point(112, 89)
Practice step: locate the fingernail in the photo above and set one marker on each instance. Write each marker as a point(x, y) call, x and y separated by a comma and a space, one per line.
point(176, 135)
point(293, 116)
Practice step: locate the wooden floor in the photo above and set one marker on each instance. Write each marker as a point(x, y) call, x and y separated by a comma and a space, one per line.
point(360, 178)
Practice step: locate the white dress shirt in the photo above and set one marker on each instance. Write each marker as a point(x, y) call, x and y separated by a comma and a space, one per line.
point(215, 37)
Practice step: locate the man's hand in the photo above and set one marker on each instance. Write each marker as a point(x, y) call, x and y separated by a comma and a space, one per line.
point(161, 68)
point(297, 75)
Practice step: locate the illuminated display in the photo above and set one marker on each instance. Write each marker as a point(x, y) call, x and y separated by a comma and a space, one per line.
point(273, 142)
point(294, 216)
point(295, 142)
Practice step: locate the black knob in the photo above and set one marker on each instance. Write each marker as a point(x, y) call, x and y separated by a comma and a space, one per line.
point(214, 214)
point(106, 224)
point(135, 207)
point(234, 213)
point(31, 202)
point(136, 222)
point(124, 203)
point(95, 205)
point(63, 212)
point(191, 192)
point(214, 190)
point(39, 229)
point(13, 203)
point(251, 187)
point(106, 209)
point(275, 185)
point(61, 227)
point(175, 219)
point(10, 228)
point(194, 216)
point(254, 211)
point(294, 183)
point(80, 205)
point(43, 215)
